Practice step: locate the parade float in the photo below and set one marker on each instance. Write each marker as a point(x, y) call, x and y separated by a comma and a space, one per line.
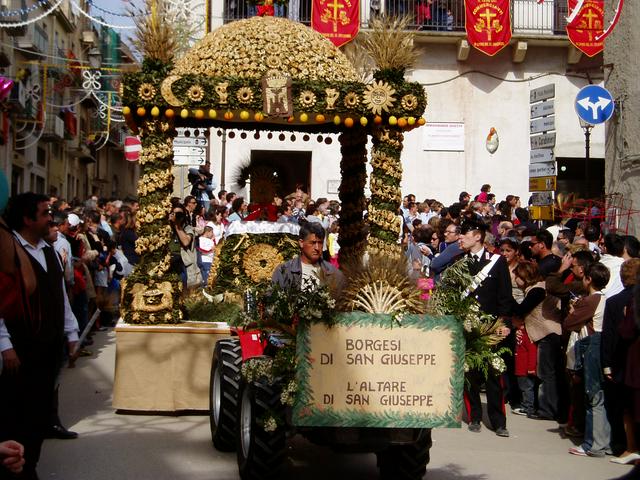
point(368, 371)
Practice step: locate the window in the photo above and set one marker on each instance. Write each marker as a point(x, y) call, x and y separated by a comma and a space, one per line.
point(42, 157)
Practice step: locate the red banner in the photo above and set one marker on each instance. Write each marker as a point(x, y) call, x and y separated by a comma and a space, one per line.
point(488, 24)
point(586, 29)
point(337, 20)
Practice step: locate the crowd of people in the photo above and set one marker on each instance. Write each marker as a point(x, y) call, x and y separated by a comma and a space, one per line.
point(564, 290)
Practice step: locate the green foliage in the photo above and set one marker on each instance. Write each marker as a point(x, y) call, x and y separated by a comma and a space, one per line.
point(199, 309)
point(274, 307)
point(480, 329)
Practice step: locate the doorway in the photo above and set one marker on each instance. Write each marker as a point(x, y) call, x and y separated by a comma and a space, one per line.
point(277, 171)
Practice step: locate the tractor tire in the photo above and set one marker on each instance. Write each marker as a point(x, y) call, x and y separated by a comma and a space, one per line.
point(224, 394)
point(261, 454)
point(406, 462)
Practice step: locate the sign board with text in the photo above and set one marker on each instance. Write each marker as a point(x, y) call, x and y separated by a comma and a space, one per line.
point(542, 109)
point(542, 184)
point(544, 212)
point(541, 198)
point(371, 371)
point(547, 169)
point(190, 147)
point(543, 124)
point(541, 155)
point(542, 93)
point(443, 137)
point(546, 140)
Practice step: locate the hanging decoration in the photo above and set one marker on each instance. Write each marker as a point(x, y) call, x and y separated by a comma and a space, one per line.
point(34, 19)
point(337, 20)
point(79, 9)
point(488, 24)
point(6, 84)
point(24, 11)
point(587, 25)
point(614, 21)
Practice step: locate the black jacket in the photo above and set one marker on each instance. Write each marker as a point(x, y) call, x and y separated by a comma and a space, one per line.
point(494, 293)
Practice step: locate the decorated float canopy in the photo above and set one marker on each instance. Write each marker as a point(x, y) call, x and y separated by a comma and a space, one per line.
point(268, 73)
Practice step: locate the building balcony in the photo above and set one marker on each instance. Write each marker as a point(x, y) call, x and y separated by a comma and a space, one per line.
point(53, 129)
point(433, 17)
point(35, 41)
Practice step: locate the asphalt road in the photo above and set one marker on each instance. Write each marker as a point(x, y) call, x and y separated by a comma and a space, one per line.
point(117, 446)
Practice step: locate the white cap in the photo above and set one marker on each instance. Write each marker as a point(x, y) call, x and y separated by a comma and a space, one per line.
point(74, 220)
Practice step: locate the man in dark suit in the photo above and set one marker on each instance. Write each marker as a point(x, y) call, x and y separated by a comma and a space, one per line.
point(493, 293)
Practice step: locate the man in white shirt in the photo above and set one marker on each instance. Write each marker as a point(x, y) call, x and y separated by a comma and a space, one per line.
point(31, 344)
point(612, 250)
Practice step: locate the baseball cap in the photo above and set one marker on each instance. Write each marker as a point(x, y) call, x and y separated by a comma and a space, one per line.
point(74, 220)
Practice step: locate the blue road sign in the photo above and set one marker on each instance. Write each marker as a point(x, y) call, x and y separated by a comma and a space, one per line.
point(594, 104)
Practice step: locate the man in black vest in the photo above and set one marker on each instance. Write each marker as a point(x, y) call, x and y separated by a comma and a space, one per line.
point(32, 343)
point(494, 296)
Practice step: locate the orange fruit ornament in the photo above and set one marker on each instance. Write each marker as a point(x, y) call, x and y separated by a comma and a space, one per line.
point(348, 122)
point(320, 118)
point(169, 113)
point(377, 120)
point(141, 112)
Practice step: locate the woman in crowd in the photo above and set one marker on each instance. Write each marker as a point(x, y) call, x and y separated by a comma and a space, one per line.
point(238, 210)
point(542, 322)
point(128, 236)
point(510, 251)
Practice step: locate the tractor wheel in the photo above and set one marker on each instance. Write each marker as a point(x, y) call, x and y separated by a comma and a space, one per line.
point(224, 393)
point(261, 454)
point(406, 462)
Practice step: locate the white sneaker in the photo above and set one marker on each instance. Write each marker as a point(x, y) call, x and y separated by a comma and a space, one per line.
point(519, 411)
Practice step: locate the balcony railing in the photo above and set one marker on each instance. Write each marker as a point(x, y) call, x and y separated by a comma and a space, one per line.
point(528, 17)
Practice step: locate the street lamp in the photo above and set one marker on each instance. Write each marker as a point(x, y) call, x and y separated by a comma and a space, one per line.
point(587, 136)
point(95, 57)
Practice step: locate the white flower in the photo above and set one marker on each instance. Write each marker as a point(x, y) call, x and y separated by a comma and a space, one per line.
point(270, 424)
point(497, 363)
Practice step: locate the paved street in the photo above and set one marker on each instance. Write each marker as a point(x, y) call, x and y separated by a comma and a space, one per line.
point(115, 446)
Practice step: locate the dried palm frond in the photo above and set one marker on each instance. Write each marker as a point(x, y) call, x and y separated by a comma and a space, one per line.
point(390, 43)
point(380, 286)
point(359, 57)
point(161, 35)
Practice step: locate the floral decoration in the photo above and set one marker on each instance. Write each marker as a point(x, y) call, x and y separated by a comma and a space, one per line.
point(245, 95)
point(378, 96)
point(195, 93)
point(351, 100)
point(146, 92)
point(409, 102)
point(260, 261)
point(308, 99)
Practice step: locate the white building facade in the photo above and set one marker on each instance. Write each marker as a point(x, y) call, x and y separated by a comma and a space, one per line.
point(469, 91)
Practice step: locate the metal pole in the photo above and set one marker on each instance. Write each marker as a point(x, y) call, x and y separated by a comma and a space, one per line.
point(223, 155)
point(587, 137)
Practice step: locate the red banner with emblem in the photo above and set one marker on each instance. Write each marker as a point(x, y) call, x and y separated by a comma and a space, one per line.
point(337, 20)
point(586, 27)
point(488, 24)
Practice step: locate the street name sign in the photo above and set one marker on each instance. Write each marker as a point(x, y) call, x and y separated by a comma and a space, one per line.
point(190, 142)
point(542, 109)
point(547, 169)
point(541, 155)
point(189, 160)
point(542, 93)
point(542, 184)
point(594, 104)
point(542, 198)
point(543, 124)
point(546, 140)
point(186, 151)
point(367, 371)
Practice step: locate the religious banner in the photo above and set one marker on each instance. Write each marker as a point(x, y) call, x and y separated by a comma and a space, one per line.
point(586, 26)
point(337, 20)
point(488, 24)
